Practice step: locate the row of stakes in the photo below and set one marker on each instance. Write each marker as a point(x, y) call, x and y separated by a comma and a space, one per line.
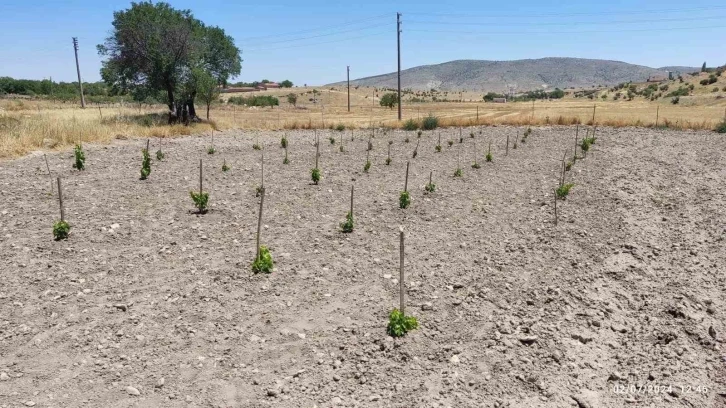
point(399, 324)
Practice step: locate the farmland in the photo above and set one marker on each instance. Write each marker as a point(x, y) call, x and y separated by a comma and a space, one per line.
point(149, 304)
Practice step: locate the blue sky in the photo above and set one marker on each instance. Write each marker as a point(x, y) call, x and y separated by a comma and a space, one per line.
point(313, 41)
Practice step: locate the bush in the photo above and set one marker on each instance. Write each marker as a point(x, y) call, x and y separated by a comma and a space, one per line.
point(258, 100)
point(564, 190)
point(410, 125)
point(676, 100)
point(200, 201)
point(347, 226)
point(389, 100)
point(80, 156)
point(404, 200)
point(61, 230)
point(315, 174)
point(145, 164)
point(721, 127)
point(340, 127)
point(430, 123)
point(263, 263)
point(399, 324)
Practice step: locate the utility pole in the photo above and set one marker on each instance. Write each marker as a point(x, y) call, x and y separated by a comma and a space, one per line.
point(398, 36)
point(78, 69)
point(348, 88)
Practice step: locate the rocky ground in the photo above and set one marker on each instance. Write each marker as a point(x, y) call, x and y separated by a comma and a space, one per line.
point(147, 304)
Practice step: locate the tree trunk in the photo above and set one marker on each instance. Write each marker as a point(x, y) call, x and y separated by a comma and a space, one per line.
point(173, 110)
point(208, 111)
point(192, 111)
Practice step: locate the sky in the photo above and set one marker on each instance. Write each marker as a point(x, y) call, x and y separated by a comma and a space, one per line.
point(311, 42)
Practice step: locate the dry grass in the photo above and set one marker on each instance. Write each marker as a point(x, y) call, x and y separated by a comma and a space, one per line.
point(27, 125)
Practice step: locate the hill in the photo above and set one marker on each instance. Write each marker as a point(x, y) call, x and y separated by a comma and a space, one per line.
point(529, 74)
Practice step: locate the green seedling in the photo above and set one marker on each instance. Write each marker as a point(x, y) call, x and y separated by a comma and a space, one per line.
point(563, 190)
point(476, 165)
point(388, 161)
point(315, 174)
point(332, 140)
point(347, 226)
point(283, 142)
point(438, 148)
point(159, 155)
point(489, 153)
point(80, 156)
point(404, 200)
point(367, 166)
point(263, 263)
point(145, 164)
point(458, 172)
point(200, 201)
point(211, 150)
point(528, 132)
point(406, 140)
point(568, 166)
point(451, 143)
point(430, 187)
point(225, 168)
point(400, 324)
point(61, 230)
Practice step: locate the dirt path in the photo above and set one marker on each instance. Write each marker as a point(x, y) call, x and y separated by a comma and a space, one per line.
point(513, 311)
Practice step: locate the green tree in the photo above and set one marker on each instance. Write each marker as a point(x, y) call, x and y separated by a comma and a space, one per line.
point(154, 47)
point(286, 83)
point(390, 100)
point(292, 99)
point(207, 87)
point(703, 67)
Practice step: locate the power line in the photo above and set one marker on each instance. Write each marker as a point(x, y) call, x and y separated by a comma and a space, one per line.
point(568, 23)
point(652, 11)
point(349, 23)
point(320, 43)
point(324, 35)
point(567, 32)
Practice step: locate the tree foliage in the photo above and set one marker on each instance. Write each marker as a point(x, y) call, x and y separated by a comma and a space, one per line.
point(154, 47)
point(389, 100)
point(286, 84)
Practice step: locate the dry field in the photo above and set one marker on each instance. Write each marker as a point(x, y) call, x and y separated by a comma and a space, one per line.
point(26, 126)
point(147, 304)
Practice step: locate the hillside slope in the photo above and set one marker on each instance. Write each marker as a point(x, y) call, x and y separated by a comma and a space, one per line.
point(476, 75)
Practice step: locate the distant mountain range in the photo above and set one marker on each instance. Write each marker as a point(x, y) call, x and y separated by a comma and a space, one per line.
point(528, 74)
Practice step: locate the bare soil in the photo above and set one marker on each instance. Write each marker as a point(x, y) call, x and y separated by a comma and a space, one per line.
point(148, 304)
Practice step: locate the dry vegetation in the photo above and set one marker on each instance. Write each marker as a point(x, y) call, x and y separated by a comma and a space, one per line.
point(27, 125)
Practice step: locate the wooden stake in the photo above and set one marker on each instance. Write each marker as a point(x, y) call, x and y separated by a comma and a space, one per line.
point(351, 200)
point(200, 179)
point(593, 114)
point(259, 224)
point(49, 175)
point(317, 149)
point(657, 114)
point(147, 145)
point(389, 152)
point(405, 184)
point(262, 173)
point(577, 136)
point(562, 179)
point(555, 191)
point(431, 176)
point(99, 112)
point(60, 200)
point(401, 279)
point(507, 153)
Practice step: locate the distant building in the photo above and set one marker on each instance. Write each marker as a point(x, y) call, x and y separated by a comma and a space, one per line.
point(239, 89)
point(657, 78)
point(268, 85)
point(499, 100)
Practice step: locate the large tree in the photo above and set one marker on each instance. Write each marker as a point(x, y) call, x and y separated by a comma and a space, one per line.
point(154, 47)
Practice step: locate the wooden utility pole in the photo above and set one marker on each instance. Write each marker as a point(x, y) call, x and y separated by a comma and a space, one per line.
point(348, 88)
point(78, 70)
point(398, 37)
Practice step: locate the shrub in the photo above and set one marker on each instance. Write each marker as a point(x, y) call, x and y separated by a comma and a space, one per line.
point(211, 150)
point(340, 127)
point(61, 230)
point(283, 142)
point(258, 100)
point(332, 140)
point(715, 89)
point(200, 201)
point(315, 174)
point(410, 125)
point(564, 190)
point(721, 127)
point(676, 100)
point(145, 164)
point(458, 172)
point(367, 166)
point(430, 187)
point(389, 100)
point(263, 263)
point(399, 324)
point(430, 122)
point(80, 156)
point(404, 200)
point(704, 82)
point(347, 226)
point(159, 155)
